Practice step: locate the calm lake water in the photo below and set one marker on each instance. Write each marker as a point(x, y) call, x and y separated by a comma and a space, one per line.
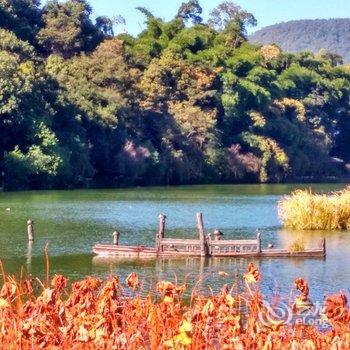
point(72, 221)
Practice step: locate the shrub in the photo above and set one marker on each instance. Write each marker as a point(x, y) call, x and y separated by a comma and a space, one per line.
point(304, 210)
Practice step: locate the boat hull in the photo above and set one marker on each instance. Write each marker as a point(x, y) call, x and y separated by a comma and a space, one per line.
point(143, 252)
point(124, 251)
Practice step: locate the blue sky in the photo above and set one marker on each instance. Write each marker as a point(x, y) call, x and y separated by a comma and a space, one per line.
point(266, 11)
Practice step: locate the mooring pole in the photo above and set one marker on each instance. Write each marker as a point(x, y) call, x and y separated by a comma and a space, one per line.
point(30, 230)
point(161, 231)
point(202, 239)
point(116, 235)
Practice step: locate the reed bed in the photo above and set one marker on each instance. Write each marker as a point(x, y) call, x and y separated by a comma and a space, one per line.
point(92, 314)
point(304, 210)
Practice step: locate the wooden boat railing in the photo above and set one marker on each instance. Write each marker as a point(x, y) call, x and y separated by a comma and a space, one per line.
point(243, 247)
point(205, 245)
point(183, 246)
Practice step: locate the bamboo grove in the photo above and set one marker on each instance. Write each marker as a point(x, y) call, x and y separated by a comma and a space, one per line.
point(84, 103)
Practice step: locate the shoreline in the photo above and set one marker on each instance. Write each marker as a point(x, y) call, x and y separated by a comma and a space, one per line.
point(96, 186)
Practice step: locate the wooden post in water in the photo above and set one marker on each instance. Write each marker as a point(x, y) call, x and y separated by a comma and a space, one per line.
point(202, 238)
point(116, 236)
point(323, 245)
point(258, 238)
point(30, 230)
point(161, 231)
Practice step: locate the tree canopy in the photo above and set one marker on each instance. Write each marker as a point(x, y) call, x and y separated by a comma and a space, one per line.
point(185, 101)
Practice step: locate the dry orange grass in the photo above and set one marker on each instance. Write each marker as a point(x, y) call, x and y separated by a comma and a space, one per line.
point(98, 315)
point(304, 210)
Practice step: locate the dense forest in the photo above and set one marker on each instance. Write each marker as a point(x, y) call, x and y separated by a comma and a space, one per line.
point(186, 101)
point(332, 35)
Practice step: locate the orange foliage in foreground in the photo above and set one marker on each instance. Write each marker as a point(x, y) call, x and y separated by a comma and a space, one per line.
point(96, 315)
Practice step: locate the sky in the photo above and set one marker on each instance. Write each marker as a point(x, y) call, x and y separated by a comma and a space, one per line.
point(267, 12)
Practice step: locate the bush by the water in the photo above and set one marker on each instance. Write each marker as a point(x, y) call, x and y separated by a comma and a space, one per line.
point(304, 210)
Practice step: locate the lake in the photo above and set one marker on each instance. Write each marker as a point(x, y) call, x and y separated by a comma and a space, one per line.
point(72, 221)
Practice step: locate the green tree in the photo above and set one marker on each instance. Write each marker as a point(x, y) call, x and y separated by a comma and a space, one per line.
point(23, 17)
point(68, 28)
point(190, 10)
point(96, 83)
point(232, 21)
point(17, 86)
point(105, 25)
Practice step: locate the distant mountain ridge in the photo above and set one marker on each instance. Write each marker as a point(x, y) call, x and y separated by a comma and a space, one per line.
point(333, 35)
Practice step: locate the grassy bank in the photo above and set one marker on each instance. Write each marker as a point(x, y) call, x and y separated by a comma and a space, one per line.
point(304, 210)
point(92, 314)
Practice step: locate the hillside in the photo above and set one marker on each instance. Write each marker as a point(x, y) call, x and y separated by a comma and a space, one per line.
point(332, 35)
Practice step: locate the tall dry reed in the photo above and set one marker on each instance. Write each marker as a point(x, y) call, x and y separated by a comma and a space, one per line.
point(304, 210)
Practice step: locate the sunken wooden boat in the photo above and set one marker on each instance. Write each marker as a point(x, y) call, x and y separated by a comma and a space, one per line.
point(207, 245)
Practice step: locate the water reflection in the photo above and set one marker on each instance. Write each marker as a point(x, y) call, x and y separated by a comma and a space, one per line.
point(334, 239)
point(200, 273)
point(29, 257)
